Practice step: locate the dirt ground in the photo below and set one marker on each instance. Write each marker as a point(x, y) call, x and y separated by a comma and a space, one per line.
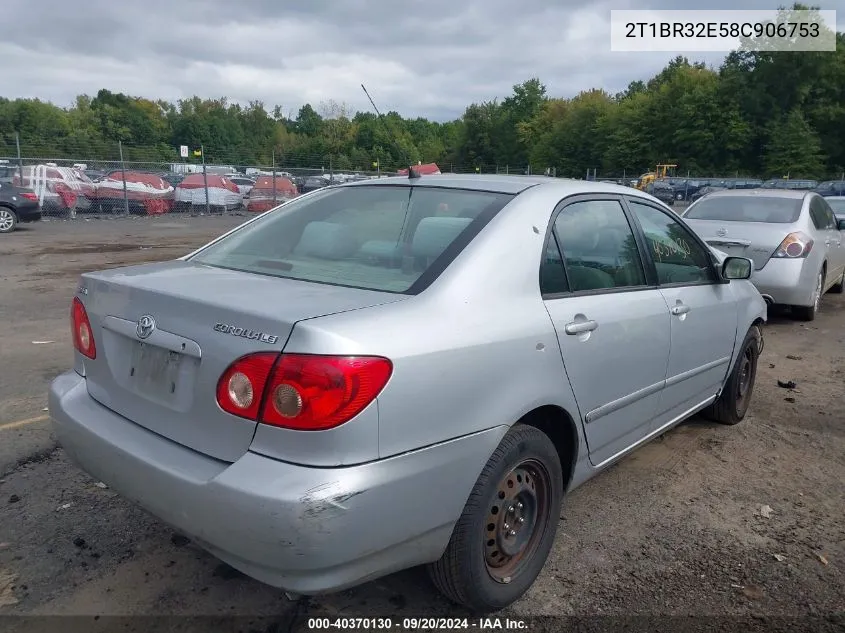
point(706, 521)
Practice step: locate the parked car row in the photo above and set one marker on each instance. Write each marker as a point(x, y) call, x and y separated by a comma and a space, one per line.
point(69, 190)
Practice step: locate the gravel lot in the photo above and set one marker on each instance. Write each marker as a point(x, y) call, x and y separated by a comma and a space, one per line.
point(704, 521)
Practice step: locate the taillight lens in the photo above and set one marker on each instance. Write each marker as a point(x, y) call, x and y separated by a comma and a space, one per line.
point(240, 388)
point(302, 391)
point(29, 196)
point(794, 246)
point(83, 337)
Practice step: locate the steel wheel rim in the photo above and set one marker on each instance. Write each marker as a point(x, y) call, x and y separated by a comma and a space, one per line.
point(818, 296)
point(6, 220)
point(516, 519)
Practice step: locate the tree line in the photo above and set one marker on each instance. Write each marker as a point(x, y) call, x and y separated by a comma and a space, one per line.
point(765, 114)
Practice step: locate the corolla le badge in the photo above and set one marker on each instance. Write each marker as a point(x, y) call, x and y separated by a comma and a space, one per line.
point(145, 327)
point(248, 333)
point(722, 232)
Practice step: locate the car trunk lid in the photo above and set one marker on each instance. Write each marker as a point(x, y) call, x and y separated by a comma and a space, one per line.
point(166, 332)
point(755, 240)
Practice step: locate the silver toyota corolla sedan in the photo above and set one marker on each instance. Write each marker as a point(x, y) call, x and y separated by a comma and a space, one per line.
point(792, 236)
point(404, 371)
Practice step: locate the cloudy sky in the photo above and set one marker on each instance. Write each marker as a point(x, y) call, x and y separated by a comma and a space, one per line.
point(422, 58)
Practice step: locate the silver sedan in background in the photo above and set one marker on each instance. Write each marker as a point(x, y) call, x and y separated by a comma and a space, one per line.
point(404, 371)
point(793, 238)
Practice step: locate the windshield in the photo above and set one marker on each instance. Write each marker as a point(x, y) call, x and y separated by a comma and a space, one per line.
point(746, 209)
point(385, 238)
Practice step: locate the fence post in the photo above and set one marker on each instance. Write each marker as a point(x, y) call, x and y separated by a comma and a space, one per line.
point(123, 177)
point(20, 160)
point(273, 159)
point(205, 180)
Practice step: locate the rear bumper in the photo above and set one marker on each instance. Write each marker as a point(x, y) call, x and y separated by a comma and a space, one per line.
point(307, 530)
point(28, 213)
point(787, 281)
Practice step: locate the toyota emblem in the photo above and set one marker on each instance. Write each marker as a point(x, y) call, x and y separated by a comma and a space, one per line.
point(145, 327)
point(722, 232)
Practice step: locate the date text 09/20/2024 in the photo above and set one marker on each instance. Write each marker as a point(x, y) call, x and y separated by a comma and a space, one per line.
point(417, 624)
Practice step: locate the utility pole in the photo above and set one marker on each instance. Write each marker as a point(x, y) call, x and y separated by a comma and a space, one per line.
point(205, 180)
point(123, 177)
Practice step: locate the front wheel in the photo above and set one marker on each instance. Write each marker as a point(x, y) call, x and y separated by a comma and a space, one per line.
point(733, 402)
point(503, 538)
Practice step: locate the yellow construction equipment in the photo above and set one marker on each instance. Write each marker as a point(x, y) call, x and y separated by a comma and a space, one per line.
point(663, 171)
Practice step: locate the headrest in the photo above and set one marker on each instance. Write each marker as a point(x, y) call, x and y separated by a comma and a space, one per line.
point(433, 235)
point(326, 240)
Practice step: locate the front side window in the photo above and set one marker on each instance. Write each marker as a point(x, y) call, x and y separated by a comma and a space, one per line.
point(598, 246)
point(372, 237)
point(678, 258)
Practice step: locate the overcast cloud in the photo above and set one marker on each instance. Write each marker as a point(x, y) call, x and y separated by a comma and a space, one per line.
point(422, 58)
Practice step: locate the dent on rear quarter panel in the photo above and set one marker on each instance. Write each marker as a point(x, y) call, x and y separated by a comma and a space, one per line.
point(475, 350)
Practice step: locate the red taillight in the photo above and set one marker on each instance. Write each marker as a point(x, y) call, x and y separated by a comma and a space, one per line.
point(29, 196)
point(794, 246)
point(302, 391)
point(240, 388)
point(83, 337)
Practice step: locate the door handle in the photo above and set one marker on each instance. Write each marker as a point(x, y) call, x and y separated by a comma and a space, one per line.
point(579, 327)
point(680, 309)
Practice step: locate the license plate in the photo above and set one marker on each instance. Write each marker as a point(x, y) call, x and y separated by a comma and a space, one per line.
point(155, 370)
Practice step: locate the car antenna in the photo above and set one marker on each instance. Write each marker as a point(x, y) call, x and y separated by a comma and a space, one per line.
point(412, 172)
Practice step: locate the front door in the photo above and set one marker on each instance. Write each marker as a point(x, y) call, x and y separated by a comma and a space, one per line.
point(702, 308)
point(612, 326)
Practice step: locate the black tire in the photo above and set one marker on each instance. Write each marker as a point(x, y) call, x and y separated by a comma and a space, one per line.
point(469, 573)
point(839, 288)
point(808, 313)
point(8, 220)
point(733, 402)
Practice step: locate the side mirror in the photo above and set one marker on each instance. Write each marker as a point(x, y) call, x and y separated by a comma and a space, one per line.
point(737, 268)
point(840, 224)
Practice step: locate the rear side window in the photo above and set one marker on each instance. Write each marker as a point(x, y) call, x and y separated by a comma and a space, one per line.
point(820, 214)
point(387, 238)
point(770, 209)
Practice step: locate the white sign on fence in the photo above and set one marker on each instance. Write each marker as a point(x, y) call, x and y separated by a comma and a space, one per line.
point(183, 151)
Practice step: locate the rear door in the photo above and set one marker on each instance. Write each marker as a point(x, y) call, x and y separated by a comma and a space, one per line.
point(612, 324)
point(703, 312)
point(825, 223)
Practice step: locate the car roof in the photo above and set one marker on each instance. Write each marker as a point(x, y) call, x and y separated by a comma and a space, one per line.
point(796, 194)
point(500, 183)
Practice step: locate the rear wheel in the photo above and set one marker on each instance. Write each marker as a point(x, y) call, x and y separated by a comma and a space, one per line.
point(839, 288)
point(503, 538)
point(808, 313)
point(733, 402)
point(8, 220)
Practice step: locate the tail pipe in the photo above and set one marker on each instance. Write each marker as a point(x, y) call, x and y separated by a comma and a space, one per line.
point(768, 299)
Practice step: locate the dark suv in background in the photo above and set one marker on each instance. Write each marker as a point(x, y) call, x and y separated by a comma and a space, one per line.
point(17, 205)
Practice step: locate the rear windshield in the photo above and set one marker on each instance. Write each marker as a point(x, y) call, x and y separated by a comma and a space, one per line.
point(770, 209)
point(837, 205)
point(388, 238)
